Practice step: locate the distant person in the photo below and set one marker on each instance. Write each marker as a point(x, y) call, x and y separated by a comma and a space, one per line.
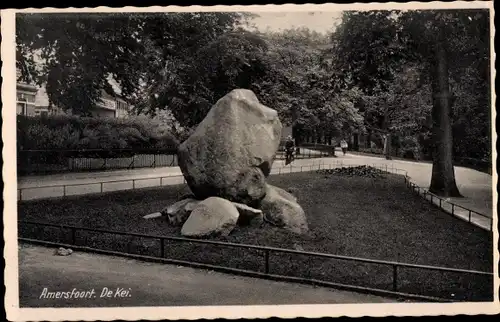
point(289, 149)
point(344, 145)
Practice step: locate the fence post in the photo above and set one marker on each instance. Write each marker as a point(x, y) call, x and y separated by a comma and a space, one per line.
point(394, 278)
point(440, 200)
point(64, 190)
point(469, 215)
point(101, 187)
point(161, 181)
point(129, 245)
point(162, 248)
point(266, 258)
point(453, 209)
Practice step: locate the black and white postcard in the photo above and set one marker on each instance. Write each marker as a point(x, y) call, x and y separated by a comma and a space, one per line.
point(250, 161)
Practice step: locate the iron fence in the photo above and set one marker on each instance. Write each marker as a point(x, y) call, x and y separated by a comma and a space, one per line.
point(265, 252)
point(442, 202)
point(33, 162)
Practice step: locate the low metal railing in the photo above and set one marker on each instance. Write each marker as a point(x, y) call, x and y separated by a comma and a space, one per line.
point(440, 202)
point(265, 251)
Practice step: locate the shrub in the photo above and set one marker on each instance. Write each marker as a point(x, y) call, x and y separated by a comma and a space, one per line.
point(410, 148)
point(63, 132)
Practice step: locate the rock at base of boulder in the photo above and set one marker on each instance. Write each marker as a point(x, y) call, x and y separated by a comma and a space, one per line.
point(249, 216)
point(282, 193)
point(281, 209)
point(211, 217)
point(179, 212)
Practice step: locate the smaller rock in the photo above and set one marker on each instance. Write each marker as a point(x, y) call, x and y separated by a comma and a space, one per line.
point(298, 247)
point(282, 211)
point(213, 216)
point(281, 192)
point(153, 215)
point(179, 212)
point(61, 251)
point(249, 216)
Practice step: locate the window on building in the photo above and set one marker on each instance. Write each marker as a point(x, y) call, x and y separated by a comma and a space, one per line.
point(21, 109)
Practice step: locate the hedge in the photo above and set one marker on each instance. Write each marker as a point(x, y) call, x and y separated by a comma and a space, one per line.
point(64, 132)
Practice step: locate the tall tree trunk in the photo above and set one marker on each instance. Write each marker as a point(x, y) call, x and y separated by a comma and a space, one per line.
point(297, 135)
point(443, 174)
point(387, 136)
point(387, 145)
point(355, 144)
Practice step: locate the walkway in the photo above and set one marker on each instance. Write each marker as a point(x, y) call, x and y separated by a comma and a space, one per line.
point(153, 284)
point(475, 186)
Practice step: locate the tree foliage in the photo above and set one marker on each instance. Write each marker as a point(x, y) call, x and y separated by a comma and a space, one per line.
point(442, 47)
point(75, 55)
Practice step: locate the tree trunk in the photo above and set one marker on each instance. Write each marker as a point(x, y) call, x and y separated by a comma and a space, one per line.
point(387, 136)
point(355, 144)
point(369, 139)
point(443, 174)
point(387, 146)
point(297, 135)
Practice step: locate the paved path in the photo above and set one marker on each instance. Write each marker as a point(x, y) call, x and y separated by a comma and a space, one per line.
point(153, 284)
point(475, 186)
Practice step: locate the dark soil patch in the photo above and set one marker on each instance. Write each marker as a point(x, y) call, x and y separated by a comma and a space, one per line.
point(377, 218)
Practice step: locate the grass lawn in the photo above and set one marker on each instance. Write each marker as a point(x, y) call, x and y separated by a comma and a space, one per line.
point(352, 216)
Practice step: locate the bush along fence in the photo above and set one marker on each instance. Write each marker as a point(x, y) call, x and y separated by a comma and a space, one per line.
point(32, 162)
point(260, 261)
point(65, 190)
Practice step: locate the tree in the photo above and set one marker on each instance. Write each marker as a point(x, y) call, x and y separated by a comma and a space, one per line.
point(74, 55)
point(370, 52)
point(298, 85)
point(442, 38)
point(434, 40)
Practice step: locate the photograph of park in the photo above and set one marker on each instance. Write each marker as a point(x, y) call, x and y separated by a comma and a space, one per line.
point(244, 158)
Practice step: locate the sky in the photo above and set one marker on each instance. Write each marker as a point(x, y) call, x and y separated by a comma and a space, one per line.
point(320, 21)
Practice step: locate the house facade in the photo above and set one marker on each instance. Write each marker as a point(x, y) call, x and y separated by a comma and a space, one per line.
point(26, 95)
point(34, 101)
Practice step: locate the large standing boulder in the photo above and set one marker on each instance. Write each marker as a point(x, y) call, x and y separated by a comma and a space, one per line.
point(281, 209)
point(211, 217)
point(231, 152)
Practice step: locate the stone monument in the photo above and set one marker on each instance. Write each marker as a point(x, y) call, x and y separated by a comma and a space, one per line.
point(225, 162)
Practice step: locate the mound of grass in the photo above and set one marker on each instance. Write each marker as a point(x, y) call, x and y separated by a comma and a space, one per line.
point(377, 218)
